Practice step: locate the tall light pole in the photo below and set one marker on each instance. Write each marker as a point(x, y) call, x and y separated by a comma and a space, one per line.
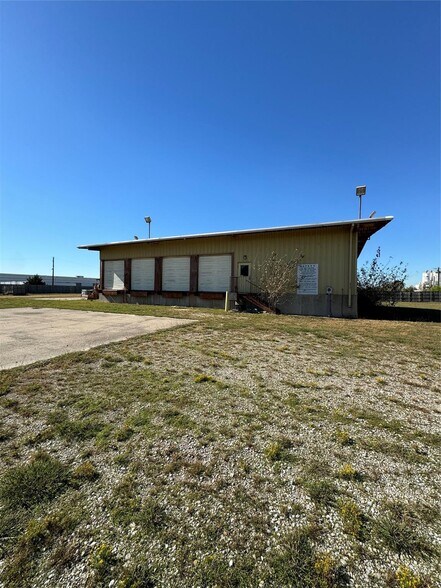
point(360, 191)
point(148, 220)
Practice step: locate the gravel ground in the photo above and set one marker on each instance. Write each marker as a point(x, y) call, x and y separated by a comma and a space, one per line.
point(242, 450)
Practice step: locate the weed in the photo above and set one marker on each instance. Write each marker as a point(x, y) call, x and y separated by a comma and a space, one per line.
point(38, 481)
point(297, 565)
point(124, 433)
point(354, 521)
point(203, 378)
point(397, 530)
point(215, 569)
point(139, 575)
point(322, 492)
point(348, 472)
point(404, 577)
point(102, 561)
point(343, 438)
point(38, 535)
point(142, 419)
point(329, 574)
point(85, 472)
point(6, 433)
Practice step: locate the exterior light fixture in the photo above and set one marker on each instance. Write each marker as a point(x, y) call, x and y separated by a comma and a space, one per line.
point(148, 220)
point(360, 191)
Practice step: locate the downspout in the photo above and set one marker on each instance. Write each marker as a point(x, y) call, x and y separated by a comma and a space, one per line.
point(350, 267)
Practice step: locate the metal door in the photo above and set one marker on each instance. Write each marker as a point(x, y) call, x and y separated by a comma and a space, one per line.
point(244, 277)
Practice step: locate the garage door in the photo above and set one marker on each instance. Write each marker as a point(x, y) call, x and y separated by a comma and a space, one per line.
point(214, 273)
point(114, 275)
point(176, 274)
point(143, 274)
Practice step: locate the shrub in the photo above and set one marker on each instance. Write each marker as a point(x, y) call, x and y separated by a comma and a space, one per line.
point(40, 480)
point(379, 282)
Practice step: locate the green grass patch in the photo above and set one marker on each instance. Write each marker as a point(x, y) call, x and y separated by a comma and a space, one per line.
point(40, 480)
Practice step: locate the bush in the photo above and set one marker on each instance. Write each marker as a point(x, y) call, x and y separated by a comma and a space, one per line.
point(379, 282)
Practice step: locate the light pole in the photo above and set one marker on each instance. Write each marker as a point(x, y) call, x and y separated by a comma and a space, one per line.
point(360, 191)
point(148, 220)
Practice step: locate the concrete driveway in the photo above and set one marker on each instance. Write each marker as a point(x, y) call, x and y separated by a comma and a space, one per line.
point(32, 334)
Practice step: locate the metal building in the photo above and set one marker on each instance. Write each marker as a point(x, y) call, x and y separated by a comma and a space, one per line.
point(198, 270)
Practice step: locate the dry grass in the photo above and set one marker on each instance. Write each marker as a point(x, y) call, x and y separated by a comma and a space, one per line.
point(219, 454)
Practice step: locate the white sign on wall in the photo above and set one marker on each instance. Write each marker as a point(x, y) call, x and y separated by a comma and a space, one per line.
point(307, 278)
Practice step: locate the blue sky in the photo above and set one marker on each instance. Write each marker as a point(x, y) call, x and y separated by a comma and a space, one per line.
point(216, 116)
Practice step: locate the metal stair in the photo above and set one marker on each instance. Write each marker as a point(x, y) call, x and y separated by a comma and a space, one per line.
point(256, 301)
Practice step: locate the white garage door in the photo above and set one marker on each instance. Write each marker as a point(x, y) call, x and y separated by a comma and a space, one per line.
point(114, 275)
point(143, 274)
point(176, 274)
point(214, 273)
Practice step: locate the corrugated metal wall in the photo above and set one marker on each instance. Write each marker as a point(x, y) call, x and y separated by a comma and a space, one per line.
point(329, 247)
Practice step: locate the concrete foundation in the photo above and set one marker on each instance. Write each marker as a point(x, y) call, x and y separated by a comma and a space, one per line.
point(335, 305)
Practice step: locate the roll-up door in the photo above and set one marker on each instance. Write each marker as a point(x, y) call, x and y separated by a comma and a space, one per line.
point(114, 275)
point(214, 273)
point(176, 274)
point(143, 274)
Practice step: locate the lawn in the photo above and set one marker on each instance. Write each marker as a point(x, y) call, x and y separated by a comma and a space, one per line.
point(240, 451)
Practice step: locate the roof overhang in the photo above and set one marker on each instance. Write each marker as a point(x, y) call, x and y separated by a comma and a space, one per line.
point(364, 227)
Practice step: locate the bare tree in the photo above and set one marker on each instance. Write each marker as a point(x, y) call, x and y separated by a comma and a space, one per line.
point(277, 276)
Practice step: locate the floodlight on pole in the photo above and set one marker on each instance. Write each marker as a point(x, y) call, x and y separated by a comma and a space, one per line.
point(360, 191)
point(148, 220)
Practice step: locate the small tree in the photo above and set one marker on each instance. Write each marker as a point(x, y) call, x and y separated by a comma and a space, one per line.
point(378, 282)
point(277, 276)
point(35, 280)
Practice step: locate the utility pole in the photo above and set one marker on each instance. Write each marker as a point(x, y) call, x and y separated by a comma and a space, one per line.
point(53, 268)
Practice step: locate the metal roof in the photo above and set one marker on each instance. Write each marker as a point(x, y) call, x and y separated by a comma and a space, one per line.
point(365, 227)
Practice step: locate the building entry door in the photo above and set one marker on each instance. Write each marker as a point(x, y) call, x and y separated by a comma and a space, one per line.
point(244, 277)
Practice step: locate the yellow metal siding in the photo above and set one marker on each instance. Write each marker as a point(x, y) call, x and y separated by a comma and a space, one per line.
point(329, 247)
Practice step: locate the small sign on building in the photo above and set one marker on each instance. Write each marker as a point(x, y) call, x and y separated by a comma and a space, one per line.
point(307, 278)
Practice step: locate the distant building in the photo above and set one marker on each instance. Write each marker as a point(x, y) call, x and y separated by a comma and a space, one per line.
point(12, 279)
point(430, 278)
point(198, 270)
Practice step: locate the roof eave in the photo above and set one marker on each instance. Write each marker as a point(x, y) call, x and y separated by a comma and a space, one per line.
point(377, 222)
